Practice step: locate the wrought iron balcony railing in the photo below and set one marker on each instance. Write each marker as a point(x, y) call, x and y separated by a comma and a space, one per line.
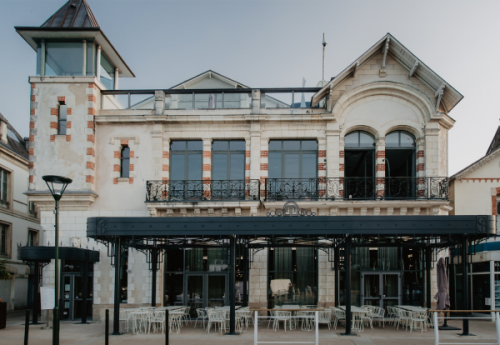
point(196, 190)
point(357, 188)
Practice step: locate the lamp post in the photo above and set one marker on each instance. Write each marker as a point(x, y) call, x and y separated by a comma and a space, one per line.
point(57, 185)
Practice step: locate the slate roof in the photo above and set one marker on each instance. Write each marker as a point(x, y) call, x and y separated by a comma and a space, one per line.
point(15, 142)
point(495, 143)
point(73, 14)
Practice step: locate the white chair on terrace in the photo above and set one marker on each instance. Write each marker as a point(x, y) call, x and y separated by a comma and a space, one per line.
point(285, 316)
point(418, 320)
point(158, 320)
point(202, 316)
point(325, 317)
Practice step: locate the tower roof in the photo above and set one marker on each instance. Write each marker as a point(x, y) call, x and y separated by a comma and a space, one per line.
point(73, 14)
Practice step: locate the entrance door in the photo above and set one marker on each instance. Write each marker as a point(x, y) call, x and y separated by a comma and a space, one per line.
point(206, 290)
point(72, 296)
point(381, 289)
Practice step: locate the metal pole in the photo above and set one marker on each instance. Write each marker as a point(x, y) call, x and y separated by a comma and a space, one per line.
point(27, 327)
point(245, 277)
point(116, 307)
point(428, 275)
point(465, 297)
point(336, 258)
point(106, 328)
point(84, 288)
point(316, 331)
point(347, 263)
point(35, 293)
point(154, 258)
point(55, 315)
point(167, 327)
point(436, 328)
point(232, 284)
point(256, 328)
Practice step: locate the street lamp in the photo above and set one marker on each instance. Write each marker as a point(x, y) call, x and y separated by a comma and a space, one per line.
point(57, 185)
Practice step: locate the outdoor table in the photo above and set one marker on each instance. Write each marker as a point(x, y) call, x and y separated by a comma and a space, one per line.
point(227, 307)
point(355, 311)
point(172, 307)
point(412, 308)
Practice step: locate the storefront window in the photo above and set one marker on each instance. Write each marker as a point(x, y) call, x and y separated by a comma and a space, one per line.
point(206, 259)
point(293, 276)
point(413, 288)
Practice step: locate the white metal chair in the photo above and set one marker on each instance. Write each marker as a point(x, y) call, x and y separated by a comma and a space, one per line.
point(403, 317)
point(285, 316)
point(216, 317)
point(325, 317)
point(378, 315)
point(339, 316)
point(418, 320)
point(158, 320)
point(201, 316)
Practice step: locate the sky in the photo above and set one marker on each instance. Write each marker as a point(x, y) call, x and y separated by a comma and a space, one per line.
point(276, 43)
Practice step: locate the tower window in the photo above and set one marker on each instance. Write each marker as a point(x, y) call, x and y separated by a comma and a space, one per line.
point(125, 162)
point(63, 113)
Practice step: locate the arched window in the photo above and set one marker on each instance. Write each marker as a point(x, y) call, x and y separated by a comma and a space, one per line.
point(399, 154)
point(125, 162)
point(359, 165)
point(400, 161)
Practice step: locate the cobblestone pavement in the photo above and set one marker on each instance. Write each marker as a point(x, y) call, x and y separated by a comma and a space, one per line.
point(73, 333)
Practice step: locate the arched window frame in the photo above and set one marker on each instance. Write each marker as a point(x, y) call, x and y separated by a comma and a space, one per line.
point(125, 161)
point(360, 146)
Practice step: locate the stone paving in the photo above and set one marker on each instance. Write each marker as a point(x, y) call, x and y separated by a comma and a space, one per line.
point(73, 333)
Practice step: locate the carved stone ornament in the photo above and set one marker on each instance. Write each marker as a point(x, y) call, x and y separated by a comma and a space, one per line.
point(291, 209)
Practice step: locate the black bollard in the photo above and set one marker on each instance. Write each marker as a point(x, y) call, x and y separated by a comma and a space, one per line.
point(27, 327)
point(167, 327)
point(106, 329)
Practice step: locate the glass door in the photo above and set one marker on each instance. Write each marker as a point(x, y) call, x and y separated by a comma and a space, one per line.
point(195, 292)
point(381, 289)
point(216, 291)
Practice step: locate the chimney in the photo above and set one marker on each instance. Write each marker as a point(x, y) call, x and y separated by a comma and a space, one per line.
point(3, 129)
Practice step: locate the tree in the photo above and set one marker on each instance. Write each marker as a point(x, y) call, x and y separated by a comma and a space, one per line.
point(4, 273)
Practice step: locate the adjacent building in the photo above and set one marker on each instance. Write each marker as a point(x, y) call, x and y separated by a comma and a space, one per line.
point(372, 142)
point(19, 221)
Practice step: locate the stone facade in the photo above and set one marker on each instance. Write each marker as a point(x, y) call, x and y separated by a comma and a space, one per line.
point(378, 98)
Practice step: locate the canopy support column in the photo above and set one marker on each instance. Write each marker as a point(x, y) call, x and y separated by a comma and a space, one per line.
point(336, 258)
point(154, 262)
point(116, 306)
point(85, 287)
point(36, 284)
point(465, 286)
point(428, 275)
point(347, 263)
point(232, 283)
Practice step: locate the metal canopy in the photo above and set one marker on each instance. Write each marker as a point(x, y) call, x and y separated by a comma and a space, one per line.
point(320, 226)
point(45, 254)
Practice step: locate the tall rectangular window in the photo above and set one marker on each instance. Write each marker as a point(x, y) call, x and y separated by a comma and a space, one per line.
point(186, 163)
point(125, 162)
point(4, 188)
point(32, 238)
point(3, 239)
point(62, 122)
point(90, 71)
point(293, 159)
point(32, 208)
point(228, 170)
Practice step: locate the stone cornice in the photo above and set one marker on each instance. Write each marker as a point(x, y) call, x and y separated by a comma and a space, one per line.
point(13, 158)
point(19, 215)
point(71, 200)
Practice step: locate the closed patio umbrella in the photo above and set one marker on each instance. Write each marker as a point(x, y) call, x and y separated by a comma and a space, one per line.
point(442, 296)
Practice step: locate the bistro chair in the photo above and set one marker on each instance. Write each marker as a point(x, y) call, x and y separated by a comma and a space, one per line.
point(378, 315)
point(216, 317)
point(418, 320)
point(157, 319)
point(339, 316)
point(404, 317)
point(285, 316)
point(201, 316)
point(325, 318)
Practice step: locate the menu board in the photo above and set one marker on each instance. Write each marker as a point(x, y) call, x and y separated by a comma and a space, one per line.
point(47, 298)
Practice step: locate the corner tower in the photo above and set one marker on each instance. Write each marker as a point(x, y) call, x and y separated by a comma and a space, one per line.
point(75, 61)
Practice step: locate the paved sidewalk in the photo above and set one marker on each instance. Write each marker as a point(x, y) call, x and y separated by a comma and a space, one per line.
point(73, 333)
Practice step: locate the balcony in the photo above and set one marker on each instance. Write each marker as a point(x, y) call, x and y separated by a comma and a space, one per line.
point(357, 188)
point(197, 190)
